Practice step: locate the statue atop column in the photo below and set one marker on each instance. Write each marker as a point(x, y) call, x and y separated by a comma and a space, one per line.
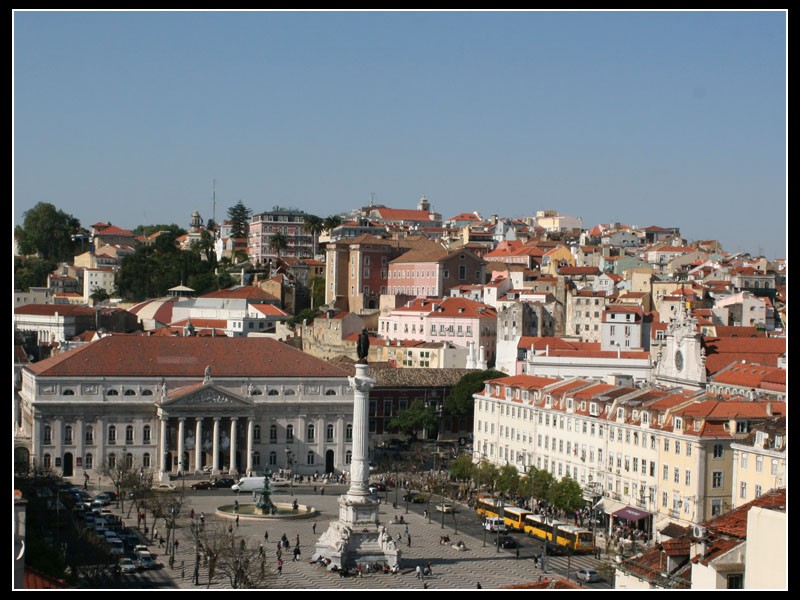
point(362, 346)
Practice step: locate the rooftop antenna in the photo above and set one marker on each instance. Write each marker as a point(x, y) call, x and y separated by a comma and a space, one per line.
point(214, 203)
point(372, 198)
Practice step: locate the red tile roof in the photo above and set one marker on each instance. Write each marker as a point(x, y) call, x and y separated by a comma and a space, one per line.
point(64, 310)
point(247, 292)
point(137, 356)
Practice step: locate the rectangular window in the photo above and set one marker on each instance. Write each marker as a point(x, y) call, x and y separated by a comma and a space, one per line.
point(743, 490)
point(743, 462)
point(716, 479)
point(759, 464)
point(718, 450)
point(677, 475)
point(716, 507)
point(665, 475)
point(688, 479)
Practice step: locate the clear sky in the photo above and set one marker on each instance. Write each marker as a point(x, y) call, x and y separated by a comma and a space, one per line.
point(674, 119)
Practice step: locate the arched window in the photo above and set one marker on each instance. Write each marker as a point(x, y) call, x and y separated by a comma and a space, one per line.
point(68, 434)
point(112, 434)
point(310, 432)
point(129, 434)
point(273, 459)
point(310, 458)
point(257, 433)
point(329, 432)
point(146, 460)
point(47, 435)
point(130, 393)
point(88, 434)
point(69, 392)
point(112, 461)
point(348, 457)
point(330, 392)
point(290, 433)
point(113, 393)
point(256, 458)
point(348, 433)
point(272, 393)
point(146, 433)
point(147, 392)
point(273, 434)
point(129, 460)
point(289, 393)
point(89, 462)
point(257, 392)
point(46, 461)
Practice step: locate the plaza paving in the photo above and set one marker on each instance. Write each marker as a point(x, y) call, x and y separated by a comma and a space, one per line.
point(451, 569)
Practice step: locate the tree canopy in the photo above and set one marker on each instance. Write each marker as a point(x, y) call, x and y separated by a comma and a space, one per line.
point(239, 216)
point(48, 232)
point(415, 418)
point(460, 402)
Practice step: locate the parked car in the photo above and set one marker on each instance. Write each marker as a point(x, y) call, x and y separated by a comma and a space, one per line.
point(506, 541)
point(203, 485)
point(225, 482)
point(377, 487)
point(445, 507)
point(102, 499)
point(144, 560)
point(126, 565)
point(587, 575)
point(163, 487)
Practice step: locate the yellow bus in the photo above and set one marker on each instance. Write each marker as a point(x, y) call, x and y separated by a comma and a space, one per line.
point(486, 506)
point(515, 517)
point(567, 536)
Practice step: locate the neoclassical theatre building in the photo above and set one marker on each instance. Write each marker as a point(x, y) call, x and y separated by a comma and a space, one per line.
point(183, 405)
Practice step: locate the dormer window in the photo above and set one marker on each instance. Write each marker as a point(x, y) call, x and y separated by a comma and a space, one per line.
point(508, 392)
point(661, 419)
point(620, 414)
point(635, 416)
point(761, 437)
point(593, 409)
point(645, 417)
point(678, 423)
point(569, 403)
point(583, 404)
point(525, 395)
point(548, 401)
point(697, 424)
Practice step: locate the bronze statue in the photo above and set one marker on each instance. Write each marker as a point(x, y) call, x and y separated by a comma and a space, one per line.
point(362, 346)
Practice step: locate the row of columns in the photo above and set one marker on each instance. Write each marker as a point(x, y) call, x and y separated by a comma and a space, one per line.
point(198, 449)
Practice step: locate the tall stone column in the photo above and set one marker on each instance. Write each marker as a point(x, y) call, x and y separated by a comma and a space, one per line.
point(250, 425)
point(198, 445)
point(215, 448)
point(232, 468)
point(181, 434)
point(356, 536)
point(162, 463)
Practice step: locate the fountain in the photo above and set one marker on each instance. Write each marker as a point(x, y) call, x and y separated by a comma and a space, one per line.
point(265, 508)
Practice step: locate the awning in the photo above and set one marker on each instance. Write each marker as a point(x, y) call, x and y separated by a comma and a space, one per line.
point(608, 506)
point(630, 513)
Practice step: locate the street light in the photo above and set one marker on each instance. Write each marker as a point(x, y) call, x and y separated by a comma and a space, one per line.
point(501, 512)
point(289, 467)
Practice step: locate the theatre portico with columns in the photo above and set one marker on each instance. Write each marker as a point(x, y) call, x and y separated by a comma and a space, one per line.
point(186, 405)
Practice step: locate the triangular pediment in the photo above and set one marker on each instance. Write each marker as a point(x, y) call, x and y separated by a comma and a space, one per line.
point(207, 395)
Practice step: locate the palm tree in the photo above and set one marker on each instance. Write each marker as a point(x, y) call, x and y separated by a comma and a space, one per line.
point(331, 223)
point(314, 225)
point(278, 242)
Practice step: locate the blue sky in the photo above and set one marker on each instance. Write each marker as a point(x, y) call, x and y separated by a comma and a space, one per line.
point(645, 118)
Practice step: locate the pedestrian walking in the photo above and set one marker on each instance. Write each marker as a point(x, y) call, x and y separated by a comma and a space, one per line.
point(280, 566)
point(161, 542)
point(191, 514)
point(296, 554)
point(479, 586)
point(175, 545)
point(409, 540)
point(266, 536)
point(202, 518)
point(430, 569)
point(297, 540)
point(237, 520)
point(230, 528)
point(314, 528)
point(419, 572)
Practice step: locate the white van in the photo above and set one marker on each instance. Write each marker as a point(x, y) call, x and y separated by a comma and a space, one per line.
point(248, 484)
point(494, 524)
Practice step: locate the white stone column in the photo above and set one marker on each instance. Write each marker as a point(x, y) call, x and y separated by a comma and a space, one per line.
point(162, 462)
point(232, 463)
point(215, 448)
point(181, 449)
point(359, 468)
point(36, 441)
point(198, 445)
point(100, 444)
point(250, 425)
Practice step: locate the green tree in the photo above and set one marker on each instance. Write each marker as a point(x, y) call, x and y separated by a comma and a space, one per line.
point(99, 295)
point(543, 480)
point(566, 494)
point(462, 468)
point(239, 216)
point(314, 225)
point(416, 418)
point(487, 474)
point(278, 242)
point(47, 232)
point(148, 230)
point(331, 222)
point(508, 480)
point(460, 401)
point(31, 271)
point(317, 291)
